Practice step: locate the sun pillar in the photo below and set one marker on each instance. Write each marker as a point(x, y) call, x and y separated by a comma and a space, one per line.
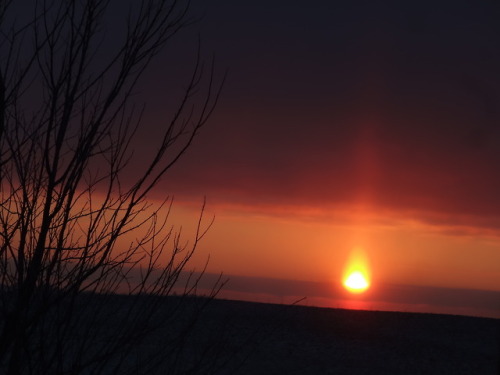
point(357, 278)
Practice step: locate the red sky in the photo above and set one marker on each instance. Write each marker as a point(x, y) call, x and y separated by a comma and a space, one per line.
point(344, 124)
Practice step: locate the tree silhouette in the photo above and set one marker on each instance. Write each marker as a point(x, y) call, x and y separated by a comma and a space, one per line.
point(66, 133)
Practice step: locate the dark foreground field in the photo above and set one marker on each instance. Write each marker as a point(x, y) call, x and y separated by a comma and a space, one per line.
point(111, 334)
point(277, 339)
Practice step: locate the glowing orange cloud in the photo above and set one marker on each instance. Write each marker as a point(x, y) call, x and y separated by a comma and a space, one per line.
point(357, 273)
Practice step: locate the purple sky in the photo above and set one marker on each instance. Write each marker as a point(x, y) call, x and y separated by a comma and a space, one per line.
point(393, 105)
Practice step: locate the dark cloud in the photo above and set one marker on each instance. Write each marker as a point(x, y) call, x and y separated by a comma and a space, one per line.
point(388, 104)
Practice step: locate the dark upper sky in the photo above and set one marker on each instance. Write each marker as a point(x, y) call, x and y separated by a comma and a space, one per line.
point(391, 104)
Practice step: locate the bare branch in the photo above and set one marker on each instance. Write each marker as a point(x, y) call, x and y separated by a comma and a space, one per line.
point(71, 226)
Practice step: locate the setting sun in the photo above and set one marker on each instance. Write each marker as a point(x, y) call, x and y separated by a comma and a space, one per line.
point(356, 275)
point(356, 282)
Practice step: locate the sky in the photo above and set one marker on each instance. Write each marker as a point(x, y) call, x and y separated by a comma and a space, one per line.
point(343, 125)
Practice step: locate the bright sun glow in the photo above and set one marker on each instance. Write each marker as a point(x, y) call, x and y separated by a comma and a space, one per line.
point(356, 282)
point(356, 275)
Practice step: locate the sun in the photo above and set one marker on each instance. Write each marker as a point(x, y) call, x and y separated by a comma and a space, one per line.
point(356, 282)
point(357, 272)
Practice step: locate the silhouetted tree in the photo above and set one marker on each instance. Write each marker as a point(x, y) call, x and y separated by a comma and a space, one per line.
point(66, 135)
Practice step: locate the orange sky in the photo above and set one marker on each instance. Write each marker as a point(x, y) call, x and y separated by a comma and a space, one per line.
point(409, 260)
point(302, 246)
